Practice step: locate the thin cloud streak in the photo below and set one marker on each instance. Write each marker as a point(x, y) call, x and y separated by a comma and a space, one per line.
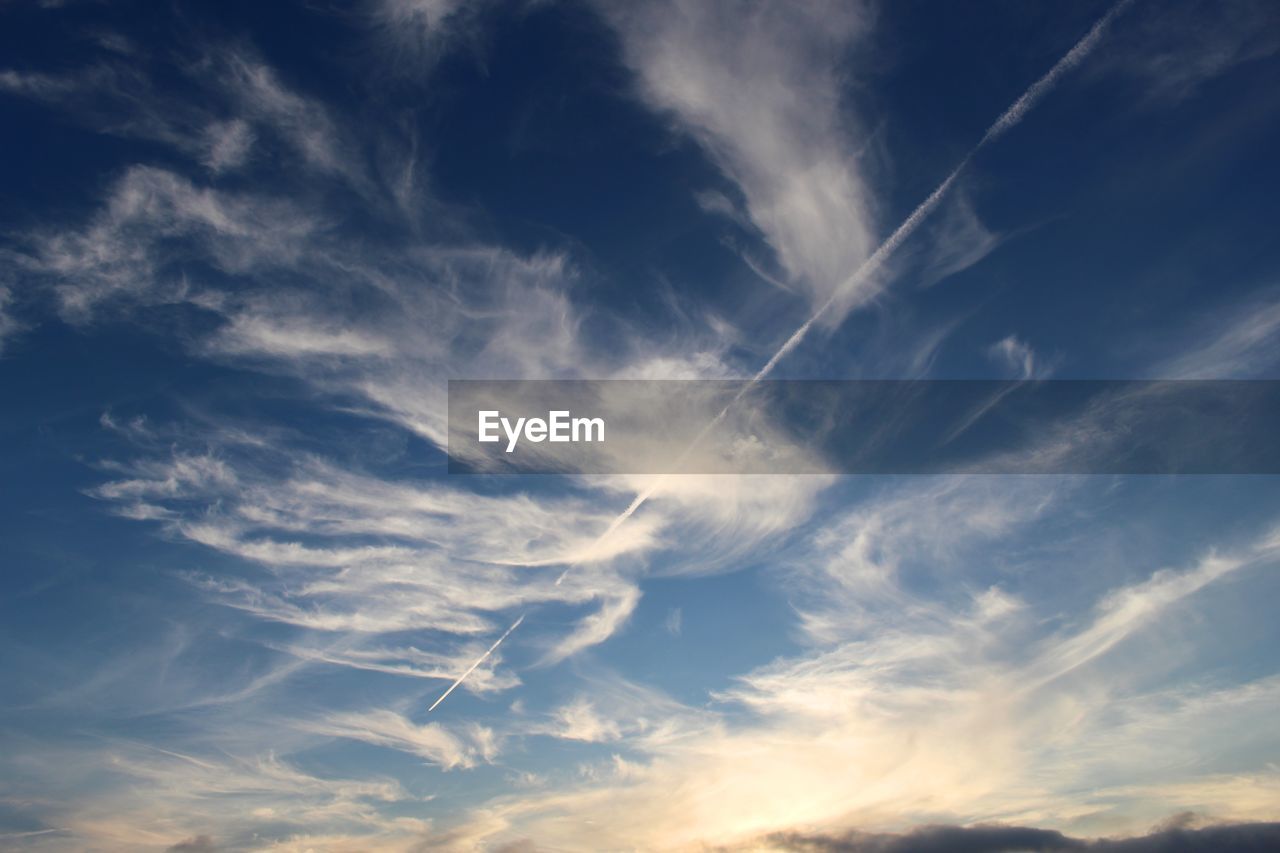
point(1041, 87)
point(479, 660)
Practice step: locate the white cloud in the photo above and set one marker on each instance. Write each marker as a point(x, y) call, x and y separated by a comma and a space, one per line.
point(597, 627)
point(761, 88)
point(1017, 356)
point(674, 621)
point(579, 720)
point(228, 145)
point(304, 122)
point(1237, 344)
point(253, 334)
point(127, 248)
point(9, 326)
point(417, 33)
point(430, 741)
point(241, 102)
point(923, 708)
point(958, 241)
point(158, 797)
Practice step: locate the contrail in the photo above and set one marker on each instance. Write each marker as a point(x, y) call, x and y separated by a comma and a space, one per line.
point(860, 276)
point(864, 271)
point(479, 660)
point(1073, 57)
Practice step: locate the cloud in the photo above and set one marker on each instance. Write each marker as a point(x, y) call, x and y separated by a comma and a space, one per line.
point(925, 677)
point(431, 15)
point(674, 621)
point(228, 145)
point(958, 241)
point(112, 97)
point(864, 276)
point(762, 89)
point(1186, 43)
point(1017, 839)
point(477, 663)
point(612, 709)
point(304, 123)
point(580, 721)
point(1016, 355)
point(920, 696)
point(256, 335)
point(597, 627)
point(146, 226)
point(1126, 610)
point(431, 741)
point(242, 101)
point(1071, 60)
point(935, 839)
point(419, 32)
point(412, 662)
point(488, 311)
point(9, 326)
point(155, 795)
point(451, 559)
point(1238, 343)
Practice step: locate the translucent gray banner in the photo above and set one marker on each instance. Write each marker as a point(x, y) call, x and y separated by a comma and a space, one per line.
point(864, 427)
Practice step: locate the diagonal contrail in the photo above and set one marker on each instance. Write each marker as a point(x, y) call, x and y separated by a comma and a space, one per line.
point(860, 276)
point(479, 660)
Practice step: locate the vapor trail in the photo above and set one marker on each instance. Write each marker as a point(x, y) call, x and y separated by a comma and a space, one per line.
point(860, 276)
point(1073, 57)
point(479, 660)
point(864, 271)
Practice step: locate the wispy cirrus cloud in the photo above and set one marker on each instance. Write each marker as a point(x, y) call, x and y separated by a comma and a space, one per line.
point(858, 727)
point(1017, 356)
point(457, 553)
point(1175, 53)
point(903, 690)
point(243, 101)
point(9, 325)
point(188, 795)
point(958, 241)
point(1237, 343)
point(145, 226)
point(430, 741)
point(763, 90)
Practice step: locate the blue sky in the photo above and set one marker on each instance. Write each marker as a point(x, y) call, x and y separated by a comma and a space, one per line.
point(246, 245)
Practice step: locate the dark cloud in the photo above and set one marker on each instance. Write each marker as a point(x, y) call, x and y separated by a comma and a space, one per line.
point(1172, 837)
point(934, 839)
point(1230, 838)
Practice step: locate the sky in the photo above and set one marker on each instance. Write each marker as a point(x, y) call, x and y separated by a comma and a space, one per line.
point(246, 245)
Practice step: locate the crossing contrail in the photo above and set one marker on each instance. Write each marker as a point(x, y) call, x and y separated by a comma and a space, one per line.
point(860, 276)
